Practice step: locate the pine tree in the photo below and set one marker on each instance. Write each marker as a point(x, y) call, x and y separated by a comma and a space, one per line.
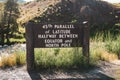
point(1, 27)
point(9, 20)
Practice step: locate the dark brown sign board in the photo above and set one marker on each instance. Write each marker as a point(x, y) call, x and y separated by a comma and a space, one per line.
point(55, 35)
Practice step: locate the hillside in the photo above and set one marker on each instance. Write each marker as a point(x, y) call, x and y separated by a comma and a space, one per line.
point(31, 10)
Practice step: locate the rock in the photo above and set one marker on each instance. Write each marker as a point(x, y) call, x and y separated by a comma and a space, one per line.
point(5, 50)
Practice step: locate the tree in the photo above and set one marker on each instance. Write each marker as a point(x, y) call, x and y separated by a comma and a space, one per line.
point(1, 27)
point(9, 23)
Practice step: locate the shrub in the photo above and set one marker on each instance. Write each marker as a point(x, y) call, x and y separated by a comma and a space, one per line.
point(1, 62)
point(60, 58)
point(44, 58)
point(11, 60)
point(8, 60)
point(114, 46)
point(65, 58)
point(100, 53)
point(20, 57)
point(4, 61)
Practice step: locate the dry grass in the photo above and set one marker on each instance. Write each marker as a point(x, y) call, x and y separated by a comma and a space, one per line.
point(11, 60)
point(99, 53)
point(117, 4)
point(21, 58)
point(34, 9)
point(8, 60)
point(108, 56)
point(117, 75)
point(0, 62)
point(59, 58)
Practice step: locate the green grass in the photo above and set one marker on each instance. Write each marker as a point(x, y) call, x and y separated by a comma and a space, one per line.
point(19, 37)
point(20, 57)
point(64, 58)
point(103, 37)
point(114, 45)
point(17, 40)
point(102, 47)
point(59, 58)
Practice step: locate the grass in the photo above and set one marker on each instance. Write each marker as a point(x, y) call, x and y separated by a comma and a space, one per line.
point(10, 60)
point(102, 47)
point(59, 58)
point(62, 58)
point(98, 52)
point(114, 46)
point(117, 4)
point(117, 74)
point(72, 57)
point(17, 40)
point(19, 36)
point(1, 62)
point(20, 58)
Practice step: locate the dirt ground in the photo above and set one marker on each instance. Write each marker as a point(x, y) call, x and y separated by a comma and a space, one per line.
point(104, 71)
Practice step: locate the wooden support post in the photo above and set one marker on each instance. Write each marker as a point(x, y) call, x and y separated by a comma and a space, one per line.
point(86, 42)
point(29, 47)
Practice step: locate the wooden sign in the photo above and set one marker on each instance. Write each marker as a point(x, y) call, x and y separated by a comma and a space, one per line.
point(55, 35)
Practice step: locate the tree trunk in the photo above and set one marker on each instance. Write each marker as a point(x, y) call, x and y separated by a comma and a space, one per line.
point(7, 37)
point(2, 39)
point(118, 55)
point(8, 27)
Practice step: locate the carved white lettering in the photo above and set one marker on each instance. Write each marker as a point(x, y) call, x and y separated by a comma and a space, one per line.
point(61, 31)
point(53, 40)
point(64, 26)
point(68, 36)
point(52, 45)
point(46, 36)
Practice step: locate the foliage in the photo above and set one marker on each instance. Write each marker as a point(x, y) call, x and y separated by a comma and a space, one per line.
point(65, 58)
point(103, 36)
point(20, 57)
point(71, 57)
point(114, 46)
point(100, 53)
point(61, 57)
point(8, 23)
point(14, 59)
point(8, 60)
point(104, 43)
point(79, 11)
point(0, 62)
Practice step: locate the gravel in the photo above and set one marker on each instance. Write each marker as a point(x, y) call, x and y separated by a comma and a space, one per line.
point(105, 71)
point(5, 50)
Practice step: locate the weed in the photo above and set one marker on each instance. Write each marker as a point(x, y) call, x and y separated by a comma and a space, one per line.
point(8, 60)
point(114, 46)
point(11, 60)
point(20, 57)
point(1, 62)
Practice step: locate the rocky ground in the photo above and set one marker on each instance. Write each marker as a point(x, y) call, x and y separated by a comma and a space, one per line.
point(104, 71)
point(11, 49)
